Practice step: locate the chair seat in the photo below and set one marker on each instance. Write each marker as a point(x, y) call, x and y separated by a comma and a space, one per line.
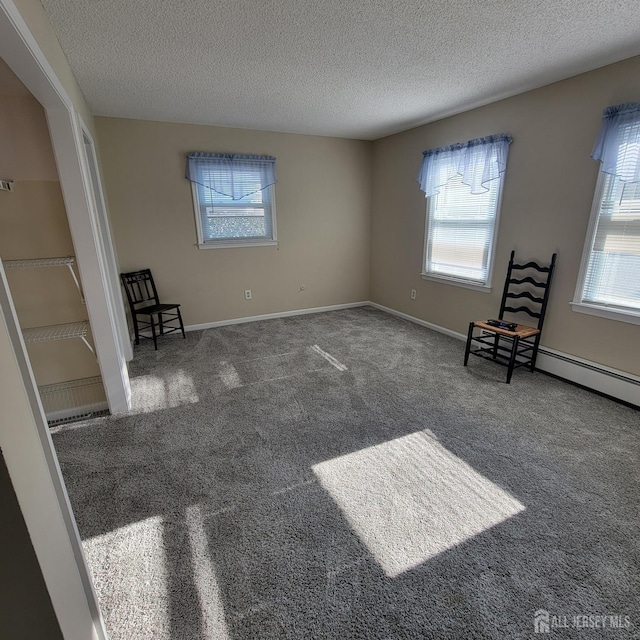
point(521, 330)
point(156, 308)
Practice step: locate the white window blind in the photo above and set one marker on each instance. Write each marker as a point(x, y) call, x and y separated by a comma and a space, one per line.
point(223, 218)
point(462, 183)
point(613, 272)
point(460, 231)
point(609, 281)
point(233, 198)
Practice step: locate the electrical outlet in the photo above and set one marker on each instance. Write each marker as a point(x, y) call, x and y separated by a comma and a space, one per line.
point(247, 294)
point(413, 294)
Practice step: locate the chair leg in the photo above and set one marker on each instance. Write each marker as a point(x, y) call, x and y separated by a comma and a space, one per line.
point(534, 353)
point(153, 332)
point(469, 338)
point(181, 324)
point(135, 328)
point(496, 340)
point(512, 359)
point(161, 324)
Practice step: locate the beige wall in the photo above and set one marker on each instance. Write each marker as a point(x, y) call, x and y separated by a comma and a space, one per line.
point(546, 205)
point(34, 225)
point(323, 214)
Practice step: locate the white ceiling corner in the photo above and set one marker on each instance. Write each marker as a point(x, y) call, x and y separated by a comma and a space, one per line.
point(355, 69)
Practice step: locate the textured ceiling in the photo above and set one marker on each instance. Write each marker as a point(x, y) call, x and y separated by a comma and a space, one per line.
point(351, 68)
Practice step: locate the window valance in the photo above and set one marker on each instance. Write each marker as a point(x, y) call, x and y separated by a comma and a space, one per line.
point(618, 143)
point(478, 161)
point(231, 175)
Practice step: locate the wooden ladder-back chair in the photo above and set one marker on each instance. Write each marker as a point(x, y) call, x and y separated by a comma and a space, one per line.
point(509, 343)
point(143, 301)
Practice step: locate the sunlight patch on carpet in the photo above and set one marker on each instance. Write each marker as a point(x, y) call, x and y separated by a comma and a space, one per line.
point(152, 392)
point(410, 499)
point(230, 376)
point(204, 578)
point(128, 567)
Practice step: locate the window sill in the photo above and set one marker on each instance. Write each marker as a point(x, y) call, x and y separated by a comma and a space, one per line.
point(458, 283)
point(231, 245)
point(611, 313)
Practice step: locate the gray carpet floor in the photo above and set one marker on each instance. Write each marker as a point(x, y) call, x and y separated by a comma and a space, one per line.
point(341, 475)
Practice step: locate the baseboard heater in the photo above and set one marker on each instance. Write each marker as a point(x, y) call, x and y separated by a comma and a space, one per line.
point(616, 384)
point(591, 376)
point(591, 367)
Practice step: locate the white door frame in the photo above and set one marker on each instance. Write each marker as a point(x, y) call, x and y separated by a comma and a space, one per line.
point(35, 475)
point(99, 210)
point(24, 435)
point(66, 137)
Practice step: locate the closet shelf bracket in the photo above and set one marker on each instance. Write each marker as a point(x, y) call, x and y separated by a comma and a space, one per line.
point(53, 332)
point(41, 263)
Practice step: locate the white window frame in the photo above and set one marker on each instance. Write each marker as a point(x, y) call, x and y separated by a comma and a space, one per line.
point(228, 243)
point(461, 282)
point(601, 310)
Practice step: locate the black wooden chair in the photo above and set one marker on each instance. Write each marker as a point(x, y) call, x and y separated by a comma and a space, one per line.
point(143, 301)
point(530, 289)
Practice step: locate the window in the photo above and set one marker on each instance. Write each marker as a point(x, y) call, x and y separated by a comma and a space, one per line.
point(609, 280)
point(463, 184)
point(233, 198)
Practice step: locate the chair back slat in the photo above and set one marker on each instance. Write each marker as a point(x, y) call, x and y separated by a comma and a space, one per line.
point(531, 265)
point(531, 290)
point(533, 314)
point(140, 288)
point(526, 294)
point(528, 280)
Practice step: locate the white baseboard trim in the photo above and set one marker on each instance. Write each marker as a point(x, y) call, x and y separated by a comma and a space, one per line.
point(271, 316)
point(422, 323)
point(612, 382)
